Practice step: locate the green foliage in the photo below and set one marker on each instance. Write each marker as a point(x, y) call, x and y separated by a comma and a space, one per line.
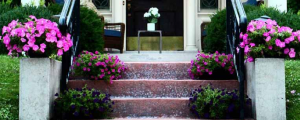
point(9, 88)
point(292, 77)
point(4, 7)
point(83, 103)
point(55, 8)
point(216, 36)
point(21, 14)
point(91, 31)
point(293, 5)
point(216, 31)
point(207, 102)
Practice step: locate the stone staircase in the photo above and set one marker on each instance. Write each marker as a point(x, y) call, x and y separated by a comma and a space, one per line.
point(151, 90)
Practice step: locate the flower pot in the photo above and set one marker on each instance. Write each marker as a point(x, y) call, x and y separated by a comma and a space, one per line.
point(151, 26)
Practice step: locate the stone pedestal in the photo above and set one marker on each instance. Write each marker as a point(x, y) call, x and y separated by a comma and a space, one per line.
point(39, 81)
point(266, 87)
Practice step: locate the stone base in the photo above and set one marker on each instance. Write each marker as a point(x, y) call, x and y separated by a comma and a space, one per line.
point(39, 81)
point(266, 88)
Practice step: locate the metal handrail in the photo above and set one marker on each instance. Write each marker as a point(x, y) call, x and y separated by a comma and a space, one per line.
point(69, 22)
point(237, 23)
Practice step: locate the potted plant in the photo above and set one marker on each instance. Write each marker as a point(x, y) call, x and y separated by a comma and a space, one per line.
point(266, 44)
point(39, 75)
point(36, 38)
point(212, 67)
point(152, 15)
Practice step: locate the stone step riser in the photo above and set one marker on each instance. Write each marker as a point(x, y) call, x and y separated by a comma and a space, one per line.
point(153, 88)
point(132, 108)
point(174, 71)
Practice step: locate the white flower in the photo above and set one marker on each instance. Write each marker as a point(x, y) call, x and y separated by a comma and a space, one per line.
point(153, 10)
point(158, 15)
point(147, 15)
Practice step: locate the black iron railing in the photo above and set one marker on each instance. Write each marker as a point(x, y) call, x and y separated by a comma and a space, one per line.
point(69, 22)
point(237, 23)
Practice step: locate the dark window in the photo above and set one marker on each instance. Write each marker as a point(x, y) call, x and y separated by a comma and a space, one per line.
point(102, 4)
point(209, 4)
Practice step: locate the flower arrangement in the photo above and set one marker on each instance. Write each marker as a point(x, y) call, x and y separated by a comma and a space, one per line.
point(152, 15)
point(37, 36)
point(82, 103)
point(207, 102)
point(208, 63)
point(267, 39)
point(98, 67)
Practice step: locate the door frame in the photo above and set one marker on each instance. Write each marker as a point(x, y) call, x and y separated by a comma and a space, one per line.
point(124, 15)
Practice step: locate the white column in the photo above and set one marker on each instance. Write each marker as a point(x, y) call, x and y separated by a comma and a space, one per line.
point(281, 5)
point(191, 25)
point(32, 2)
point(118, 11)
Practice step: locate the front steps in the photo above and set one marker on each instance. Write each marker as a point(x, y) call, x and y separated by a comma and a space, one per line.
point(153, 90)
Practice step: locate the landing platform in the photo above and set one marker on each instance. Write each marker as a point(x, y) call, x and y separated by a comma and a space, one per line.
point(155, 56)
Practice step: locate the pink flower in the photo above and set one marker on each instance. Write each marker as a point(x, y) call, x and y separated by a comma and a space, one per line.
point(246, 49)
point(293, 91)
point(270, 47)
point(250, 59)
point(252, 44)
point(286, 50)
point(205, 63)
point(268, 38)
point(60, 52)
point(210, 72)
point(88, 69)
point(6, 40)
point(23, 40)
point(26, 47)
point(43, 45)
point(242, 44)
point(59, 44)
point(113, 70)
point(266, 34)
point(84, 69)
point(32, 17)
point(292, 53)
point(90, 64)
point(241, 35)
point(96, 52)
point(35, 47)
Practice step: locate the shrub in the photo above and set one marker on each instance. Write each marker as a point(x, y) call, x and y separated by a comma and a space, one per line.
point(207, 102)
point(21, 14)
point(55, 8)
point(267, 39)
point(293, 5)
point(36, 37)
point(98, 67)
point(216, 31)
point(91, 31)
point(210, 63)
point(4, 7)
point(82, 103)
point(216, 36)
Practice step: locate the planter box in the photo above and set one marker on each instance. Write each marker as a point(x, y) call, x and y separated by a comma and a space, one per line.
point(39, 81)
point(266, 87)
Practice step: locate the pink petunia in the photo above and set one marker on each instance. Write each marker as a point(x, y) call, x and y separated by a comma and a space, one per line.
point(292, 53)
point(43, 45)
point(250, 59)
point(205, 63)
point(6, 40)
point(252, 44)
point(96, 52)
point(270, 47)
point(246, 50)
point(286, 50)
point(35, 47)
point(60, 52)
point(59, 44)
point(23, 40)
point(26, 47)
point(268, 38)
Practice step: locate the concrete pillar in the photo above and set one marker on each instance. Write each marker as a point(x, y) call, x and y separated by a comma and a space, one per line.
point(191, 25)
point(266, 88)
point(31, 2)
point(39, 82)
point(281, 5)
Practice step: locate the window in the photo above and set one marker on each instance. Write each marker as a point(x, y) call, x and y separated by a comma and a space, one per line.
point(102, 4)
point(209, 4)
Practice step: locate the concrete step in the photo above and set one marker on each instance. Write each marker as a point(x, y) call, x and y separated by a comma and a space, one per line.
point(154, 107)
point(161, 118)
point(153, 88)
point(157, 70)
